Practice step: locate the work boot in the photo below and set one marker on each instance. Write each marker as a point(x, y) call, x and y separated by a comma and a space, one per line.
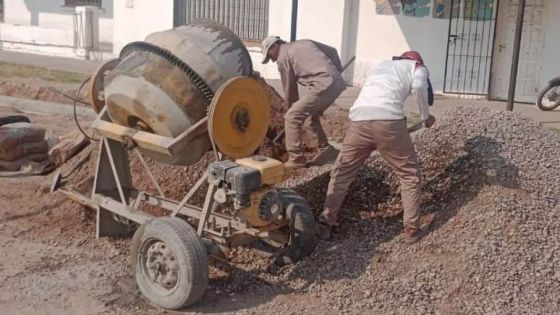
point(325, 231)
point(426, 220)
point(296, 163)
point(327, 155)
point(412, 235)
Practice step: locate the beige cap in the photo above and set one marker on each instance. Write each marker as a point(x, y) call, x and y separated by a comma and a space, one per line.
point(265, 46)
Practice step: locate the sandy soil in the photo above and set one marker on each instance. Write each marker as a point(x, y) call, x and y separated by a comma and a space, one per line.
point(52, 263)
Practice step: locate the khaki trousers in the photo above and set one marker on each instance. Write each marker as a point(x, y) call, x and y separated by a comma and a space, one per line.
point(308, 106)
point(392, 140)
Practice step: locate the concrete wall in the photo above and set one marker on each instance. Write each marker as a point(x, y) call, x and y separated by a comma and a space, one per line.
point(332, 22)
point(321, 20)
point(380, 37)
point(280, 19)
point(135, 19)
point(35, 39)
point(354, 28)
point(52, 14)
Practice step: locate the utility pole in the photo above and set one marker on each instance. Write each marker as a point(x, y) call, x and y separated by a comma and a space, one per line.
point(515, 58)
point(294, 20)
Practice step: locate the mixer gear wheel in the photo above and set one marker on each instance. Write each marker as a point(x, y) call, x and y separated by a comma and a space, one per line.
point(97, 81)
point(171, 58)
point(239, 117)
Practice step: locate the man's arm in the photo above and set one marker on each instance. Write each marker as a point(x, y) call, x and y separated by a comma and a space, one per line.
point(289, 83)
point(420, 92)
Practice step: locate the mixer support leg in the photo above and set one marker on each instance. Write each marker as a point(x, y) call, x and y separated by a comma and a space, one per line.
point(208, 205)
point(113, 180)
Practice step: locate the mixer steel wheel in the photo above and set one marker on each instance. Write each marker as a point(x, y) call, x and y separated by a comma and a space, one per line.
point(95, 92)
point(239, 117)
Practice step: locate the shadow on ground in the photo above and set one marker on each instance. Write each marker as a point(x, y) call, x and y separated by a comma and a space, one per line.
point(347, 256)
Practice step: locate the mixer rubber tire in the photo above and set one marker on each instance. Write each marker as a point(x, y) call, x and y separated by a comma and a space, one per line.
point(541, 95)
point(185, 260)
point(135, 245)
point(302, 228)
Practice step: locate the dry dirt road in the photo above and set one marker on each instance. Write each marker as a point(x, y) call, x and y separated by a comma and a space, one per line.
point(51, 263)
point(491, 177)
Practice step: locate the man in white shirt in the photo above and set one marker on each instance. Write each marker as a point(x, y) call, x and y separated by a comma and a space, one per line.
point(377, 122)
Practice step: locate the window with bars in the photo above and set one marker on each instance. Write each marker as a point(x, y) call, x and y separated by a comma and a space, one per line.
point(248, 19)
point(75, 3)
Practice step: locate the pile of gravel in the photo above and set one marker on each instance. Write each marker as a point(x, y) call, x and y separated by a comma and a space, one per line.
point(492, 179)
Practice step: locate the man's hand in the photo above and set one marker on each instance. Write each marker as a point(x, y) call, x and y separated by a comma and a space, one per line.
point(430, 121)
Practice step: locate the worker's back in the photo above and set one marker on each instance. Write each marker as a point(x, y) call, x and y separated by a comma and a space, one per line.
point(387, 86)
point(315, 65)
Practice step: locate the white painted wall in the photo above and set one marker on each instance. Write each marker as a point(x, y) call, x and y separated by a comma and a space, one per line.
point(322, 21)
point(135, 19)
point(34, 39)
point(52, 14)
point(280, 21)
point(354, 28)
point(382, 36)
point(36, 35)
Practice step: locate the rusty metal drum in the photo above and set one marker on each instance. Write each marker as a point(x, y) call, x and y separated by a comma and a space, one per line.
point(165, 84)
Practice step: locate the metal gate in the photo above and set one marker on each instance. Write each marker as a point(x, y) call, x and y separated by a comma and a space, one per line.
point(472, 25)
point(532, 50)
point(248, 19)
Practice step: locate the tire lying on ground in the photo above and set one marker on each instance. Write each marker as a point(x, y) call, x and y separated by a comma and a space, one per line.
point(170, 262)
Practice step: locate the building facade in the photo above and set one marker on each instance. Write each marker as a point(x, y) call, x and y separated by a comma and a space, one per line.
point(68, 28)
point(467, 44)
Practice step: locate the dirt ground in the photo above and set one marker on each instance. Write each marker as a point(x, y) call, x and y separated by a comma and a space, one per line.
point(38, 89)
point(52, 263)
point(491, 249)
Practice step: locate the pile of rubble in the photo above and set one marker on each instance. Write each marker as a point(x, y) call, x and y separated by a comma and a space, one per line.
point(492, 178)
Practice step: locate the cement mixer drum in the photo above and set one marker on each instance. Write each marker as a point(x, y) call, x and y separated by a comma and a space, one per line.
point(165, 84)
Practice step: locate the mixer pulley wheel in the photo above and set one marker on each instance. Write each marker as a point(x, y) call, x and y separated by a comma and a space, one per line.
point(96, 95)
point(239, 116)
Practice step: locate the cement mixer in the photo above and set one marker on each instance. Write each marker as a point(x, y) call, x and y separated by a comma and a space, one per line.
point(172, 98)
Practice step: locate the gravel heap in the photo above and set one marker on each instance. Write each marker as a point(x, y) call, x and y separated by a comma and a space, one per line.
point(489, 176)
point(492, 179)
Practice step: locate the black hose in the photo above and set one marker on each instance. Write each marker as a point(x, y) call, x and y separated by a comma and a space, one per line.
point(76, 100)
